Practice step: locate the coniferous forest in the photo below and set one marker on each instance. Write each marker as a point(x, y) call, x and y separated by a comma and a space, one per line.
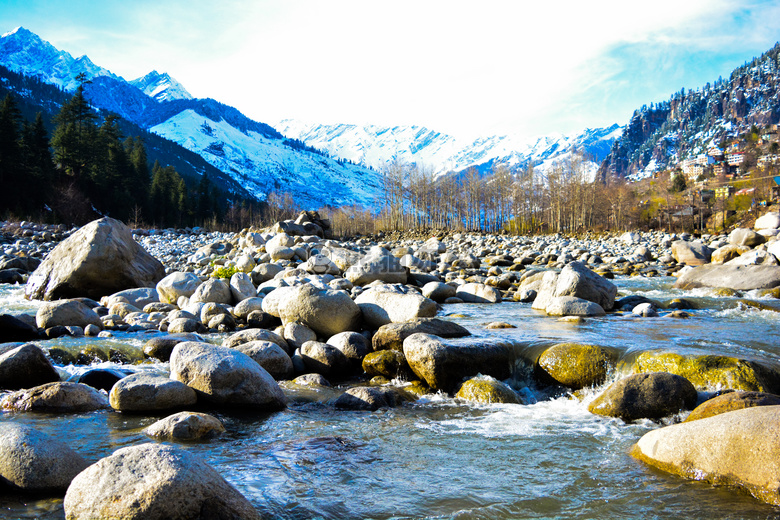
point(75, 164)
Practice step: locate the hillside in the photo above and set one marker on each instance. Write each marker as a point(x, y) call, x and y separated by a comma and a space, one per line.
point(662, 135)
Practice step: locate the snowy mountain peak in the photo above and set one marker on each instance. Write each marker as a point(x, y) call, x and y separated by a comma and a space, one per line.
point(161, 87)
point(25, 52)
point(376, 146)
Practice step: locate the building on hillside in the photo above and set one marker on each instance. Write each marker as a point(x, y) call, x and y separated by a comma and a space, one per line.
point(693, 167)
point(719, 169)
point(766, 160)
point(735, 158)
point(715, 153)
point(724, 192)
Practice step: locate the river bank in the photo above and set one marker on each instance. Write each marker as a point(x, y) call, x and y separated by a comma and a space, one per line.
point(548, 457)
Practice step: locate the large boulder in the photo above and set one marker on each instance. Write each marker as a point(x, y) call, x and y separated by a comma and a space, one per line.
point(739, 448)
point(214, 290)
point(645, 396)
point(478, 293)
point(33, 461)
point(25, 367)
point(99, 259)
point(487, 390)
point(324, 359)
point(14, 328)
point(576, 365)
point(378, 264)
point(223, 376)
point(270, 356)
point(769, 220)
point(578, 281)
point(443, 365)
point(185, 426)
point(326, 312)
point(731, 401)
point(710, 371)
point(144, 392)
point(392, 335)
point(745, 237)
point(154, 482)
point(691, 253)
point(57, 397)
point(572, 306)
point(737, 277)
point(66, 313)
point(176, 285)
point(382, 305)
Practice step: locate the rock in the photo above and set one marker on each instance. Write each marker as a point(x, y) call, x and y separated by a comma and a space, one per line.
point(738, 448)
point(25, 367)
point(64, 313)
point(223, 376)
point(139, 297)
point(320, 264)
point(102, 378)
point(245, 336)
point(691, 253)
point(769, 220)
point(154, 482)
point(353, 345)
point(99, 259)
point(311, 380)
point(438, 291)
point(11, 276)
point(578, 281)
point(241, 287)
point(264, 272)
point(387, 363)
point(377, 265)
point(246, 306)
point(214, 290)
point(727, 252)
point(646, 310)
point(57, 397)
point(754, 257)
point(185, 426)
point(176, 285)
point(143, 392)
point(371, 398)
point(162, 346)
point(270, 356)
point(645, 396)
point(711, 372)
point(571, 306)
point(324, 311)
point(33, 461)
point(478, 293)
point(444, 365)
point(731, 401)
point(737, 277)
point(745, 237)
point(487, 390)
point(392, 335)
point(324, 359)
point(184, 326)
point(381, 305)
point(576, 365)
point(245, 263)
point(296, 334)
point(14, 329)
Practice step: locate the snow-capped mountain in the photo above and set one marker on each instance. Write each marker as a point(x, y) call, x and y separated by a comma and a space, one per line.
point(254, 154)
point(25, 52)
point(376, 146)
point(161, 87)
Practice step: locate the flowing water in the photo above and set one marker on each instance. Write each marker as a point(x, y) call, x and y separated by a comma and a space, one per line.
point(441, 458)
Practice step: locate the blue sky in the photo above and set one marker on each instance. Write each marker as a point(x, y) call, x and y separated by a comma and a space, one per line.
point(466, 68)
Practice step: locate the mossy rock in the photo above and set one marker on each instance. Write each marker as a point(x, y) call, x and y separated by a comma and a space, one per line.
point(711, 372)
point(61, 356)
point(731, 401)
point(418, 388)
point(742, 302)
point(91, 355)
point(724, 291)
point(488, 390)
point(387, 363)
point(645, 396)
point(680, 304)
point(576, 365)
point(770, 293)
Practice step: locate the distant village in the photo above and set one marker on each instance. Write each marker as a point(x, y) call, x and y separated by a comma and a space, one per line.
point(755, 154)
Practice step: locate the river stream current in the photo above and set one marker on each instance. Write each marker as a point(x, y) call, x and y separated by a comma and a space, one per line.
point(442, 458)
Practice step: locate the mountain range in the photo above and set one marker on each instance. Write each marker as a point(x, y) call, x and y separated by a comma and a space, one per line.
point(317, 164)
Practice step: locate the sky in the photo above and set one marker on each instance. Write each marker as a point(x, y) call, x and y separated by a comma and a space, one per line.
point(466, 68)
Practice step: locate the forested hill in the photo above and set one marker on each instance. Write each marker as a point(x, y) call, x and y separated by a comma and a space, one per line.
point(661, 135)
point(33, 96)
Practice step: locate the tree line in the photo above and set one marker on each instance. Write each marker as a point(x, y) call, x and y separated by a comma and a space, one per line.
point(88, 168)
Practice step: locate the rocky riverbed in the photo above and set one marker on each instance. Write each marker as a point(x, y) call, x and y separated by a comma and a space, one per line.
point(167, 354)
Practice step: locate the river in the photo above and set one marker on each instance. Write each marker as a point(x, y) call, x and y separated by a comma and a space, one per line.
point(441, 458)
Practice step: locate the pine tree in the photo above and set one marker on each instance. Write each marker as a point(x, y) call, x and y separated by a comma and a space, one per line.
point(39, 168)
point(74, 135)
point(11, 172)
